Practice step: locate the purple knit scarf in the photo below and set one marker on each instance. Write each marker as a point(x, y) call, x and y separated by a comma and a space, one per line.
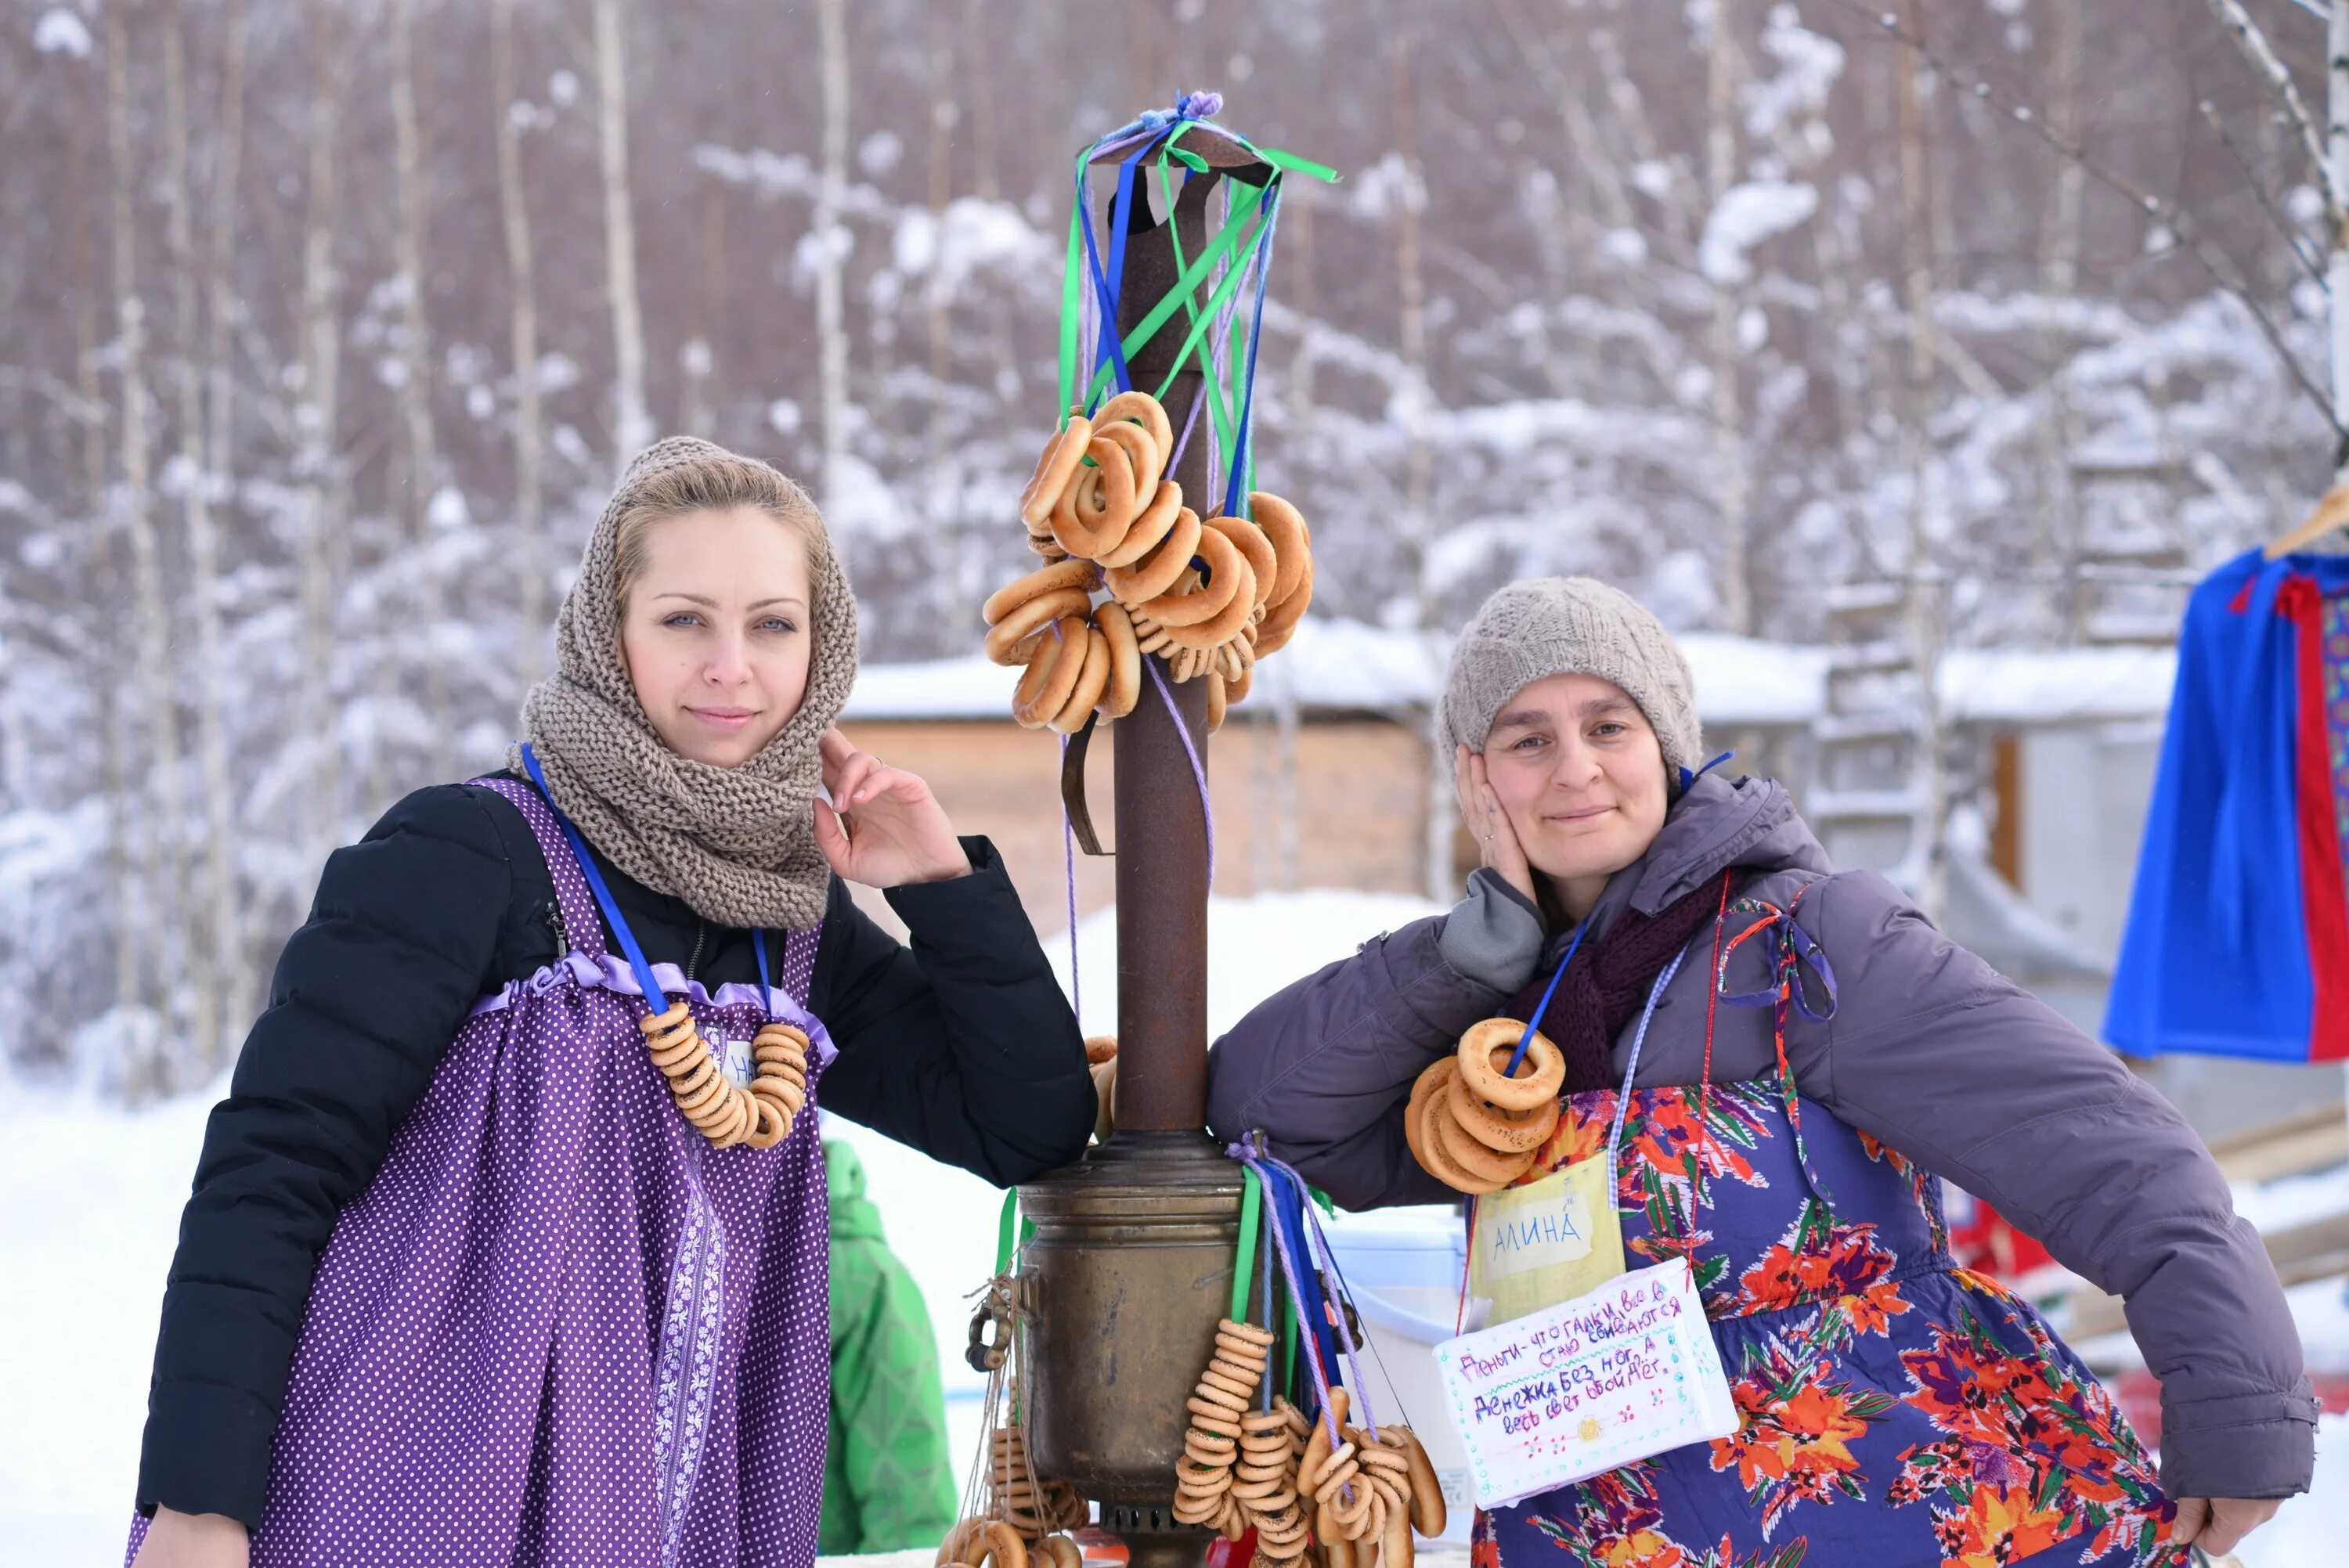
point(1609, 978)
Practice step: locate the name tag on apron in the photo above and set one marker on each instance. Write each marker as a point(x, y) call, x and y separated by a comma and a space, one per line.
point(1624, 1372)
point(733, 1057)
point(1545, 1243)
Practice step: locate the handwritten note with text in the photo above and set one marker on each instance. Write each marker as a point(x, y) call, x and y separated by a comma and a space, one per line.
point(1579, 1388)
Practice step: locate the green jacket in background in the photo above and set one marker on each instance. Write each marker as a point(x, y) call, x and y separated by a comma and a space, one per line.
point(888, 1483)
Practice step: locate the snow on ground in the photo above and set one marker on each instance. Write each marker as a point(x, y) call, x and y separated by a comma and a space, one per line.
point(90, 1200)
point(89, 1209)
point(90, 1203)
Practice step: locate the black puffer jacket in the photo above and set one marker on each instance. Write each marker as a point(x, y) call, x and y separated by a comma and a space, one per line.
point(963, 1046)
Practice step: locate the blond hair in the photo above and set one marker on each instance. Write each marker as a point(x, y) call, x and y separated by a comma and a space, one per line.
point(715, 482)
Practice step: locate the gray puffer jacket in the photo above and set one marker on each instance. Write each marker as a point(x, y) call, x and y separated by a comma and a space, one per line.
point(1927, 1049)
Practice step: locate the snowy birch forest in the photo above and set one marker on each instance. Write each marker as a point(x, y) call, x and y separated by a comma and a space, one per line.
point(324, 323)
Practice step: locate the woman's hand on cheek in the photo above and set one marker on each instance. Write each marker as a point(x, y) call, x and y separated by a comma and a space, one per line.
point(882, 827)
point(1480, 807)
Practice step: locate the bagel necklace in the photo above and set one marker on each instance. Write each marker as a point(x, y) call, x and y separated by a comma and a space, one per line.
point(759, 1114)
point(1477, 1119)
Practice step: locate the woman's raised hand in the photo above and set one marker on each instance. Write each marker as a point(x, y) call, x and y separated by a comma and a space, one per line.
point(882, 827)
point(1480, 809)
point(177, 1540)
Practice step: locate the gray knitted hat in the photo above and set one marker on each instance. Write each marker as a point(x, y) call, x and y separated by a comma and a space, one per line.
point(1547, 627)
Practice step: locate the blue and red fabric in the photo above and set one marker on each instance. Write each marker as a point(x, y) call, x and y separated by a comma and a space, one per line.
point(2238, 936)
point(1899, 1410)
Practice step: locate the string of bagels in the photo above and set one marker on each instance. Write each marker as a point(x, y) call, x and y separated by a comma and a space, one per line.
point(1207, 596)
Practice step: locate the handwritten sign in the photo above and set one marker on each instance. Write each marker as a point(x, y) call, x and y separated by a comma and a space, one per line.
point(1547, 1242)
point(1582, 1388)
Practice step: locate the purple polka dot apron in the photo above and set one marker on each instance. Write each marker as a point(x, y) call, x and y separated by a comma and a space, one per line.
point(559, 1328)
point(1897, 1412)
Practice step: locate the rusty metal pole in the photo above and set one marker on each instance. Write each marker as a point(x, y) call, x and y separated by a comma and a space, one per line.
point(1131, 1262)
point(1161, 830)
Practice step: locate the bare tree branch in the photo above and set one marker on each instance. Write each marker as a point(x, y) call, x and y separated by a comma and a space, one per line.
point(2181, 223)
point(2254, 45)
point(2268, 204)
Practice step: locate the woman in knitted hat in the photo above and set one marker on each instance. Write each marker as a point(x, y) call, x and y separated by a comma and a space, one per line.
point(1806, 1040)
point(483, 1263)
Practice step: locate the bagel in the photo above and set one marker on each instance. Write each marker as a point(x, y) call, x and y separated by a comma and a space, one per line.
point(1149, 635)
point(1223, 578)
point(1281, 618)
point(1105, 1101)
point(1244, 1389)
point(1160, 567)
point(957, 1542)
point(1124, 689)
point(1008, 641)
point(1146, 411)
point(1502, 1131)
point(1317, 1442)
point(1101, 502)
point(1253, 545)
point(1053, 674)
point(772, 1125)
point(1143, 457)
point(1484, 1164)
point(1283, 528)
point(1212, 1419)
point(1482, 1063)
point(1051, 476)
point(1093, 679)
point(1217, 703)
point(1396, 1549)
point(1043, 580)
point(1425, 1084)
point(1427, 1508)
point(1439, 1163)
point(1000, 1546)
point(1150, 526)
point(1337, 1462)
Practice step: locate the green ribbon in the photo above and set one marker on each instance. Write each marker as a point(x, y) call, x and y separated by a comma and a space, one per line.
point(1011, 1228)
point(1237, 226)
point(1244, 1256)
point(1256, 203)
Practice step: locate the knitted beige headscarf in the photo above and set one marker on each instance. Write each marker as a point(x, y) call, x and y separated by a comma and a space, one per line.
point(737, 844)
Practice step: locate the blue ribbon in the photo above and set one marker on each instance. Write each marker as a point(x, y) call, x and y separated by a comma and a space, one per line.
point(1542, 1006)
point(655, 999)
point(1236, 482)
point(1687, 778)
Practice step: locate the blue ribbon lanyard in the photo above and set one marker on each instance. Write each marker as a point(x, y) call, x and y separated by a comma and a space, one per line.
point(1542, 1006)
point(655, 999)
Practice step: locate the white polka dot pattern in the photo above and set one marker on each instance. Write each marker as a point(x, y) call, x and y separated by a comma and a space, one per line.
point(559, 1328)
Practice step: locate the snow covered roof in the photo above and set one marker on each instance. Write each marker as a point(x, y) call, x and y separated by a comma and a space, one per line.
point(2057, 685)
point(1354, 665)
point(1338, 665)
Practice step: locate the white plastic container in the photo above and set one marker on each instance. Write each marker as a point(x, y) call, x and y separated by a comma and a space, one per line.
point(1404, 1267)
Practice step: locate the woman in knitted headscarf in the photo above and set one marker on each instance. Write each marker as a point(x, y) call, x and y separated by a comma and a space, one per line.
point(509, 1243)
point(1670, 929)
